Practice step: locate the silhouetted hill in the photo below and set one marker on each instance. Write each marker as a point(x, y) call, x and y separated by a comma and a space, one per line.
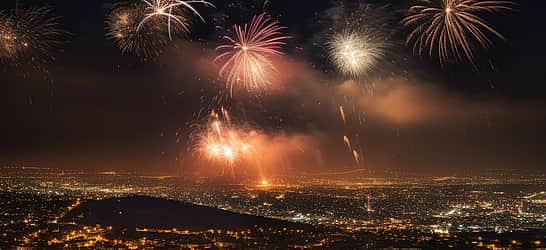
point(147, 212)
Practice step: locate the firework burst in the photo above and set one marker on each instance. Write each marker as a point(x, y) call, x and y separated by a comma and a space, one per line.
point(8, 41)
point(222, 143)
point(355, 53)
point(247, 55)
point(359, 42)
point(146, 29)
point(29, 36)
point(169, 11)
point(149, 42)
point(451, 28)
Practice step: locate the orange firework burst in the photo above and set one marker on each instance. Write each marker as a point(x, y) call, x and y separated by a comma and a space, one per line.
point(222, 143)
point(449, 28)
point(148, 42)
point(29, 36)
point(8, 42)
point(247, 55)
point(146, 28)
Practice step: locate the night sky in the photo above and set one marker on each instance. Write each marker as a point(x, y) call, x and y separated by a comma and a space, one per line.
point(95, 108)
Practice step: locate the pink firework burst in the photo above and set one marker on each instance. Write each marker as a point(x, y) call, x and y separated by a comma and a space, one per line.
point(247, 55)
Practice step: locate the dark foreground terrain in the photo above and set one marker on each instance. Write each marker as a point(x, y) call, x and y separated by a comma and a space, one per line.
point(145, 212)
point(136, 222)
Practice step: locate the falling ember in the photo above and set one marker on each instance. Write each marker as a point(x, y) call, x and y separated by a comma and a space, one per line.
point(451, 28)
point(247, 55)
point(216, 126)
point(356, 157)
point(342, 113)
point(226, 115)
point(347, 142)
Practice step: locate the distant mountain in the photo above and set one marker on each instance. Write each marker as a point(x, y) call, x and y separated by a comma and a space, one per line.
point(147, 212)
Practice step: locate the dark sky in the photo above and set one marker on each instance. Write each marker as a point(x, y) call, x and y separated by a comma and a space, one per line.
point(98, 109)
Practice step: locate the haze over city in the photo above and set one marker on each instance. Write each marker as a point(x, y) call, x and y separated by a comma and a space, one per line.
point(308, 116)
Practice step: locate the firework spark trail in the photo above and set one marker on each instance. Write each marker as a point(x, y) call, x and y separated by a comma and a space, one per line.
point(352, 119)
point(188, 5)
point(247, 55)
point(266, 3)
point(168, 9)
point(342, 114)
point(161, 8)
point(347, 142)
point(356, 156)
point(449, 28)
